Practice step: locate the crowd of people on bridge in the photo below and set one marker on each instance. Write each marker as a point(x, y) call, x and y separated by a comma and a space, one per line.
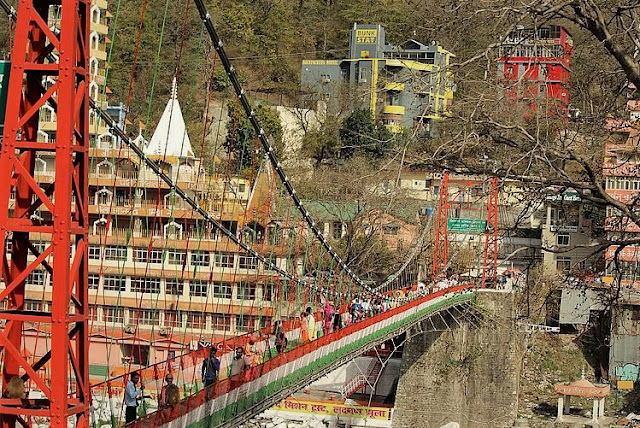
point(247, 358)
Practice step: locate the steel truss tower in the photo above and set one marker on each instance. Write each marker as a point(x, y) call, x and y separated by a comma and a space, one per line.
point(47, 67)
point(490, 254)
point(441, 247)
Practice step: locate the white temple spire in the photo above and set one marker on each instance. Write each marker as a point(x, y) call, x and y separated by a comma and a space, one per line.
point(170, 137)
point(174, 89)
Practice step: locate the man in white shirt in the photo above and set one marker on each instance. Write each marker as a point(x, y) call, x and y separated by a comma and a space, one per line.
point(311, 325)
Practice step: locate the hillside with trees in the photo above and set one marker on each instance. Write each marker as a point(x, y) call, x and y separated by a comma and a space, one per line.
point(150, 42)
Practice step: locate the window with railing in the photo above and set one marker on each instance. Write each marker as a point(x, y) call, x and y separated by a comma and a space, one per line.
point(244, 322)
point(95, 41)
point(94, 281)
point(173, 230)
point(174, 287)
point(198, 288)
point(246, 291)
point(176, 257)
point(115, 252)
point(100, 227)
point(105, 169)
point(147, 256)
point(247, 262)
point(221, 322)
point(94, 252)
point(200, 258)
point(114, 283)
point(95, 15)
point(173, 319)
point(145, 285)
point(113, 314)
point(196, 320)
point(93, 66)
point(224, 260)
point(222, 290)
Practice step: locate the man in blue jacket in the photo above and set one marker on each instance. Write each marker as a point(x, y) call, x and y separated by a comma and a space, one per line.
point(210, 368)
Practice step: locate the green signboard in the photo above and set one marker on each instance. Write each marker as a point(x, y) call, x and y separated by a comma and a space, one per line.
point(466, 225)
point(5, 68)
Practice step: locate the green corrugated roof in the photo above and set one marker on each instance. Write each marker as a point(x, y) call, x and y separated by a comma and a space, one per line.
point(332, 210)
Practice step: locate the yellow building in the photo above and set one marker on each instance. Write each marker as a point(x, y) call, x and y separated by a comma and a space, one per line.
point(403, 86)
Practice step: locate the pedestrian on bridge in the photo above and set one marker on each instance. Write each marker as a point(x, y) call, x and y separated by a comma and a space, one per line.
point(170, 393)
point(337, 321)
point(281, 338)
point(312, 328)
point(210, 368)
point(252, 351)
point(328, 317)
point(304, 327)
point(131, 396)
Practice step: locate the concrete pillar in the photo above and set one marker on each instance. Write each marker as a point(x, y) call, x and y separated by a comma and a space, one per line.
point(567, 404)
point(560, 407)
point(595, 410)
point(601, 410)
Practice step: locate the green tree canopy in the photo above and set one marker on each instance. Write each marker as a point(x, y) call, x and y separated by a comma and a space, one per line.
point(359, 134)
point(241, 137)
point(323, 143)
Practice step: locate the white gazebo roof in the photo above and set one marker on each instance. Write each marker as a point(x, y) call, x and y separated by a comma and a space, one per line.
point(170, 137)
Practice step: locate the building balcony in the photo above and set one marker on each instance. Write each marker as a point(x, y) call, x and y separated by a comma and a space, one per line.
point(394, 128)
point(50, 126)
point(100, 54)
point(397, 110)
point(99, 28)
point(394, 86)
point(95, 128)
point(99, 77)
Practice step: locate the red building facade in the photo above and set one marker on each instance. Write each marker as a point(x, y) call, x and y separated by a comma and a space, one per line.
point(533, 68)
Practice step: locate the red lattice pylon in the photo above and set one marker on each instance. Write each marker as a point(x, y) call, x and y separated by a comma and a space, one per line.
point(441, 247)
point(58, 209)
point(490, 254)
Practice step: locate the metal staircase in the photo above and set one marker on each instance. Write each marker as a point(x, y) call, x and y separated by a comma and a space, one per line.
point(360, 381)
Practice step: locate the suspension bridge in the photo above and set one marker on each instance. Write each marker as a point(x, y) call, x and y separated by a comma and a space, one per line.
point(137, 252)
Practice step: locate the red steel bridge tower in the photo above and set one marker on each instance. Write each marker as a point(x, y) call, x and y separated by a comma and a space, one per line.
point(490, 254)
point(441, 247)
point(58, 210)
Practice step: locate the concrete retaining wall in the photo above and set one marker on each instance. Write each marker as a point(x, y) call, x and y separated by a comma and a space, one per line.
point(463, 374)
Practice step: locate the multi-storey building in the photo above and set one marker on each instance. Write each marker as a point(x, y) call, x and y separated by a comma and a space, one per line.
point(571, 228)
point(160, 278)
point(403, 86)
point(621, 171)
point(533, 68)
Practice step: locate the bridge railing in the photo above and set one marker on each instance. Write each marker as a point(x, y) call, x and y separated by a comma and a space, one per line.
point(226, 392)
point(155, 372)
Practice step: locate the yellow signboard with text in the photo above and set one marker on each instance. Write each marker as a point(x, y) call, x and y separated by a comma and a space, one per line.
point(366, 37)
point(331, 409)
